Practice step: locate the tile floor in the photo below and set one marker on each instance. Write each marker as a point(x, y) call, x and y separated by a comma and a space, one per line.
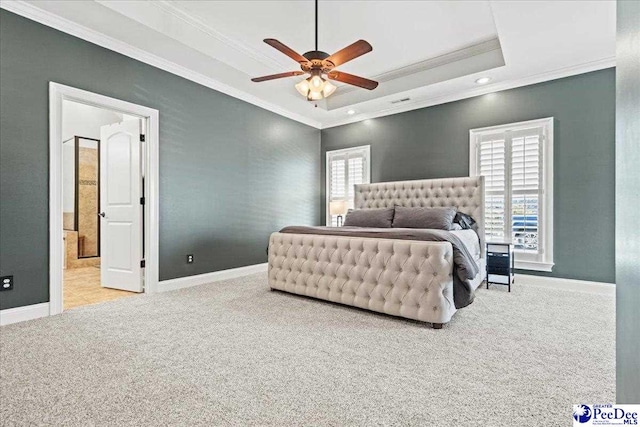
point(82, 287)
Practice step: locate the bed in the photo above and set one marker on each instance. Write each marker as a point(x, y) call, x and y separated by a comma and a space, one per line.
point(403, 277)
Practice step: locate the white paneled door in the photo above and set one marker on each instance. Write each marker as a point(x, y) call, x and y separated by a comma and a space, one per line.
point(121, 209)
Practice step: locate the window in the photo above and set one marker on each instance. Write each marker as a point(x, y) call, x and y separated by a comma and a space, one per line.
point(345, 168)
point(517, 163)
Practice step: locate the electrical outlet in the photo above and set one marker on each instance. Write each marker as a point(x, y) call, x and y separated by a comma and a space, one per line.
point(6, 283)
point(190, 259)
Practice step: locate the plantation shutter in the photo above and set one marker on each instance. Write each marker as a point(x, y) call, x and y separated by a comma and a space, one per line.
point(526, 189)
point(346, 168)
point(492, 165)
point(511, 163)
point(338, 174)
point(356, 169)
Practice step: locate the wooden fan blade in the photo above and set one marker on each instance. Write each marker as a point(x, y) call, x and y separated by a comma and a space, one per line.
point(352, 80)
point(350, 52)
point(286, 50)
point(277, 76)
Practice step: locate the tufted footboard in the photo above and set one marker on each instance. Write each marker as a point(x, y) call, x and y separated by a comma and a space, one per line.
point(403, 278)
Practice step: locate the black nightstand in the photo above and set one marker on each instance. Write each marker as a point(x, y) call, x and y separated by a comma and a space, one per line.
point(500, 263)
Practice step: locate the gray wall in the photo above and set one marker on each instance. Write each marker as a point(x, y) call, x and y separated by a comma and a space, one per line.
point(434, 143)
point(627, 202)
point(230, 172)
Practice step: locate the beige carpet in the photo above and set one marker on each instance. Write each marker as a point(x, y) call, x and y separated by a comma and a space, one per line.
point(234, 353)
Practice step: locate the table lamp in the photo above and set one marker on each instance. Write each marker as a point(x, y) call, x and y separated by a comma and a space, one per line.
point(338, 207)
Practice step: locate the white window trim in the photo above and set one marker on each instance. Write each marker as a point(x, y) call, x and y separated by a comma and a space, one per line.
point(544, 263)
point(367, 173)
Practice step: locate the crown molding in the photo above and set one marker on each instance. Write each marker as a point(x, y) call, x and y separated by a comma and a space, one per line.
point(447, 58)
point(431, 63)
point(171, 7)
point(44, 17)
point(425, 74)
point(482, 90)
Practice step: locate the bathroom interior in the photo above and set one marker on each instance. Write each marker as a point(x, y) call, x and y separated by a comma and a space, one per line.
point(81, 203)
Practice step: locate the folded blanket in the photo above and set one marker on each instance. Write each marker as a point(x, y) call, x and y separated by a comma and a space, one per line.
point(464, 267)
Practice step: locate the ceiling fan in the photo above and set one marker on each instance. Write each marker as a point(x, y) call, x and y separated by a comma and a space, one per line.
point(319, 64)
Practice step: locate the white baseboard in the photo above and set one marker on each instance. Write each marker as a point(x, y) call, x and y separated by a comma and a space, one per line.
point(20, 314)
point(216, 276)
point(35, 311)
point(567, 284)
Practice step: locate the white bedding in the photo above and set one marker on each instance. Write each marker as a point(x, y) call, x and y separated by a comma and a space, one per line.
point(471, 242)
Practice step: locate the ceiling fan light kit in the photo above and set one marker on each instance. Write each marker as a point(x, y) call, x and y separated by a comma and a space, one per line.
point(315, 88)
point(319, 64)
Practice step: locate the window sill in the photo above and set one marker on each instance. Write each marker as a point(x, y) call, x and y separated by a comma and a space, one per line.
point(534, 265)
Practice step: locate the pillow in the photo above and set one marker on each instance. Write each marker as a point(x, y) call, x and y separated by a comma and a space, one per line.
point(456, 227)
point(465, 221)
point(375, 218)
point(438, 218)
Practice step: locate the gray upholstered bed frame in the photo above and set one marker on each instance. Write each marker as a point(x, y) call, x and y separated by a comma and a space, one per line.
point(405, 278)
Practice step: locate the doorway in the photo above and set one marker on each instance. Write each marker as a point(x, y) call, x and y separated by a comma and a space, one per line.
point(91, 138)
point(103, 198)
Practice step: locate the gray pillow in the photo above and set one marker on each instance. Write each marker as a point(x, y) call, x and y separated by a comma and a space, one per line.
point(438, 218)
point(376, 218)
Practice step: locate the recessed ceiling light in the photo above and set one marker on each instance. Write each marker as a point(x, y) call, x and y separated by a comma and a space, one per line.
point(483, 80)
point(350, 112)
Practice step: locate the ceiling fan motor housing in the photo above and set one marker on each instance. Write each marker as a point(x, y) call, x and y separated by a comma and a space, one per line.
point(317, 62)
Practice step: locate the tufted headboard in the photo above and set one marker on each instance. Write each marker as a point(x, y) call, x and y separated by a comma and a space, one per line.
point(465, 194)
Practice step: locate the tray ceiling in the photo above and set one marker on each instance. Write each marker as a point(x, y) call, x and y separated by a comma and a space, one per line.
point(429, 52)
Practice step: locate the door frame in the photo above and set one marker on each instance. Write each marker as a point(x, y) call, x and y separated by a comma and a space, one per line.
point(150, 168)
